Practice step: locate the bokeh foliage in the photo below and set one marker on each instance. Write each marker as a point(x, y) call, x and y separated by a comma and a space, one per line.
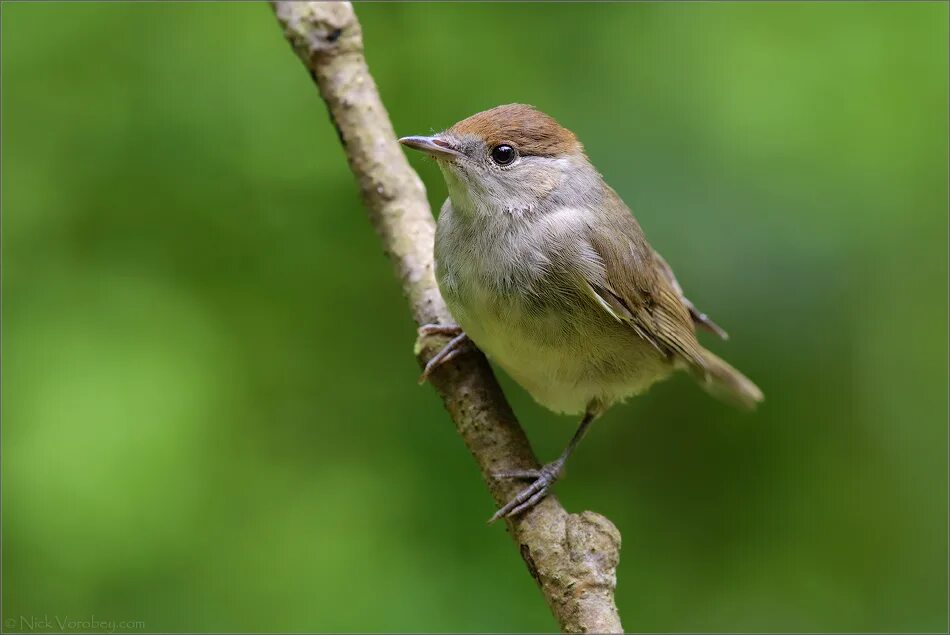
point(210, 417)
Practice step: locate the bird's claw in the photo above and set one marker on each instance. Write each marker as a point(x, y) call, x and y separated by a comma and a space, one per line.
point(439, 329)
point(458, 345)
point(532, 494)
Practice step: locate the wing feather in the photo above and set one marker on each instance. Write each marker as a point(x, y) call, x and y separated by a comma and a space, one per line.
point(636, 289)
point(636, 286)
point(699, 318)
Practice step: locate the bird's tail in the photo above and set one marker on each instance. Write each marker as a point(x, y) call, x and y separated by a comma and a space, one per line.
point(724, 382)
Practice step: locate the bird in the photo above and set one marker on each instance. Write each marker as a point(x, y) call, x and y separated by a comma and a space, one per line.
point(545, 269)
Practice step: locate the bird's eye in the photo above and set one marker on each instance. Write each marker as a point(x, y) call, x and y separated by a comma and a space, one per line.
point(503, 154)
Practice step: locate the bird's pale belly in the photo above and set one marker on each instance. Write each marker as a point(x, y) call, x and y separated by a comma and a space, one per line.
point(563, 361)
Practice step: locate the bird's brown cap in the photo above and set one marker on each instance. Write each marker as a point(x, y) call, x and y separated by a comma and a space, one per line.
point(525, 127)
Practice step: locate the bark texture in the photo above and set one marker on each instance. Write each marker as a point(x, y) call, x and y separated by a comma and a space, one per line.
point(573, 557)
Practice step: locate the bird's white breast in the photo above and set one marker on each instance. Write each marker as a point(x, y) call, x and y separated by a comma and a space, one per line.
point(505, 288)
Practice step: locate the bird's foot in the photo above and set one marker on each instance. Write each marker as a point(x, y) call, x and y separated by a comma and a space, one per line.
point(439, 329)
point(458, 345)
point(532, 494)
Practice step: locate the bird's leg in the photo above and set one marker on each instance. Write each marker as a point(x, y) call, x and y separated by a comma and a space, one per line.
point(458, 345)
point(545, 477)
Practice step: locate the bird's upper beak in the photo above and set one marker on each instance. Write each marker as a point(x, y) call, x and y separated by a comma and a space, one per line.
point(436, 146)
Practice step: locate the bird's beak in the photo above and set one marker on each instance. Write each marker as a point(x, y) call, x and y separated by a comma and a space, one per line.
point(436, 146)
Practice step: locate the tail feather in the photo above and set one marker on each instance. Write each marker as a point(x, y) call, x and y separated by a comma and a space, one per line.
point(724, 382)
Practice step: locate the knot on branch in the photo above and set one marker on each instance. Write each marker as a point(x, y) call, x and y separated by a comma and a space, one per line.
point(593, 544)
point(587, 581)
point(318, 29)
point(574, 558)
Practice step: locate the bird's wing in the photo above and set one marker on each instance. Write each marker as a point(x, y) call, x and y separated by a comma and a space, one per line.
point(633, 287)
point(699, 318)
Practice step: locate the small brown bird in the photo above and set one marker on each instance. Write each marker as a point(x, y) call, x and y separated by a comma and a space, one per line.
point(546, 270)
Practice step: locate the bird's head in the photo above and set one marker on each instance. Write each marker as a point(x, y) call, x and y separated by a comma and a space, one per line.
point(512, 157)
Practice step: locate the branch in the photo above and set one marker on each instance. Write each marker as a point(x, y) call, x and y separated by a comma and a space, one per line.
point(573, 557)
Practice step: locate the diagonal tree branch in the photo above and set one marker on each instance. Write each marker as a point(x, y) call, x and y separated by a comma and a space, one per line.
point(573, 557)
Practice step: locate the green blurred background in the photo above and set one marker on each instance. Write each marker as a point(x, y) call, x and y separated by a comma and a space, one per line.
point(210, 415)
